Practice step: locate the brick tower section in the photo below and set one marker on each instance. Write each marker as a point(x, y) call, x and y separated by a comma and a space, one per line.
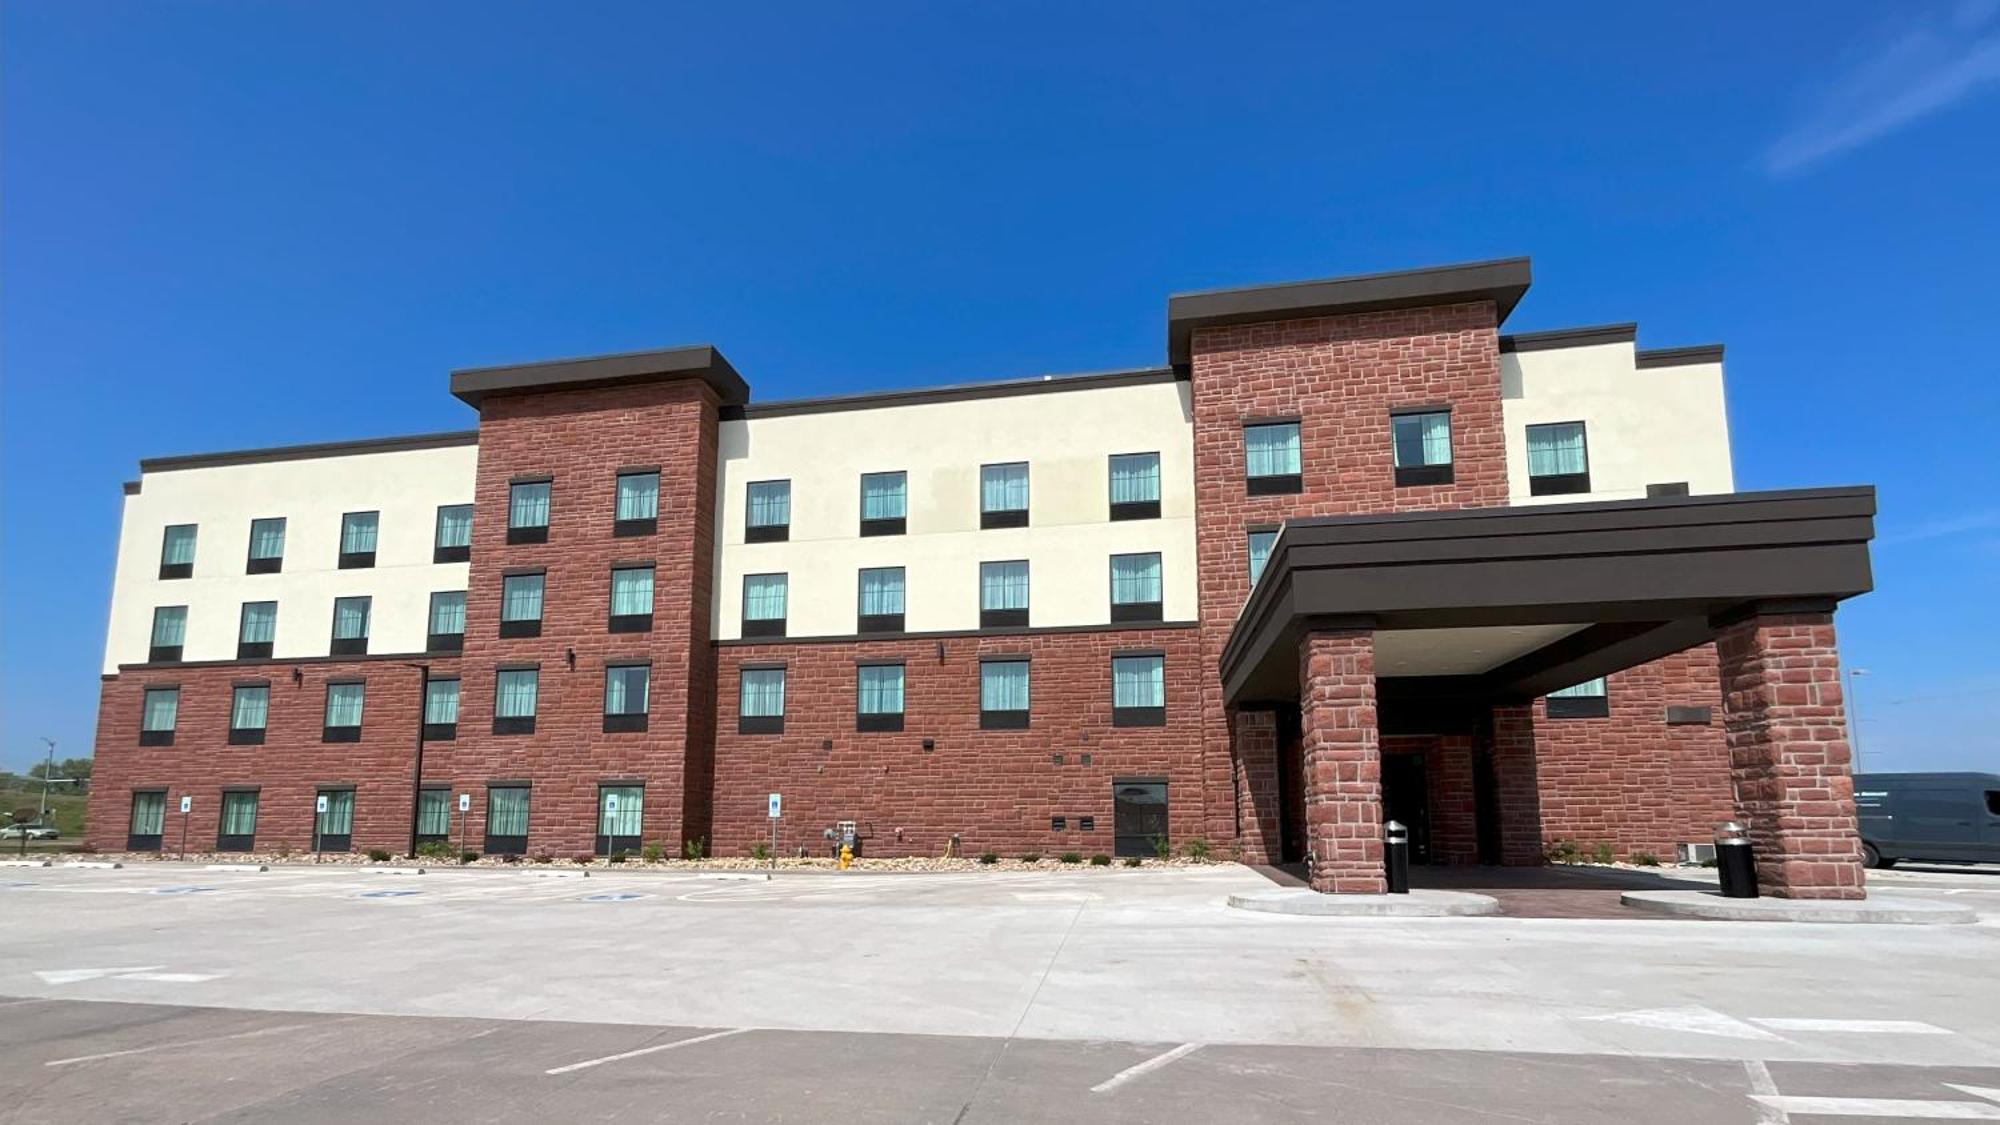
point(1516, 786)
point(1338, 377)
point(1343, 762)
point(580, 440)
point(1786, 726)
point(1254, 734)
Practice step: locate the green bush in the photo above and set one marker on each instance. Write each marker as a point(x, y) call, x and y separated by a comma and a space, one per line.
point(468, 856)
point(1031, 857)
point(377, 855)
point(283, 851)
point(1162, 849)
point(617, 856)
point(1132, 861)
point(691, 850)
point(760, 851)
point(436, 849)
point(585, 860)
point(1071, 857)
point(989, 858)
point(1565, 851)
point(652, 852)
point(545, 858)
point(1602, 853)
point(1100, 861)
point(1195, 849)
point(1644, 859)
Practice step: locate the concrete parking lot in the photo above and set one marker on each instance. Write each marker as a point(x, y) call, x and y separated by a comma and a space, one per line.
point(162, 992)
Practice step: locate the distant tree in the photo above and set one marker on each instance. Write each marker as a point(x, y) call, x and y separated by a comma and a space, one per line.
point(68, 767)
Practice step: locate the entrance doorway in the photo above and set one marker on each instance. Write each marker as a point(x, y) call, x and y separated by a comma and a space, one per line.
point(1406, 800)
point(1139, 815)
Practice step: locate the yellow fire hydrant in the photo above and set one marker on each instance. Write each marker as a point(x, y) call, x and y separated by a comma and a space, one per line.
point(846, 856)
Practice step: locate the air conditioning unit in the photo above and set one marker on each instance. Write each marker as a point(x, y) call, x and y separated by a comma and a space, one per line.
point(1695, 853)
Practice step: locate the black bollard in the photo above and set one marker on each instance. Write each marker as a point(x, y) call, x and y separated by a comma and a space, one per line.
point(1735, 861)
point(1396, 857)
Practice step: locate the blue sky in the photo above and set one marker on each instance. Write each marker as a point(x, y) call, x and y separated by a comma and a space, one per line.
point(244, 224)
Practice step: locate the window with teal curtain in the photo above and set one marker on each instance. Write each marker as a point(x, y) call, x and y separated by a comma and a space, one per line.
point(350, 618)
point(628, 818)
point(1139, 681)
point(338, 819)
point(259, 624)
point(1271, 449)
point(763, 692)
point(357, 532)
point(881, 591)
point(764, 597)
point(1422, 439)
point(770, 503)
point(1003, 585)
point(1588, 689)
point(1135, 478)
point(507, 811)
point(250, 708)
point(632, 591)
point(1556, 450)
point(239, 814)
point(1135, 579)
point(178, 549)
point(441, 702)
point(625, 688)
point(163, 706)
point(514, 693)
point(1003, 488)
point(434, 812)
point(884, 496)
point(1260, 552)
point(521, 597)
point(881, 689)
point(447, 613)
point(169, 626)
point(638, 496)
point(343, 704)
point(1003, 685)
point(267, 538)
point(528, 504)
point(149, 813)
point(454, 525)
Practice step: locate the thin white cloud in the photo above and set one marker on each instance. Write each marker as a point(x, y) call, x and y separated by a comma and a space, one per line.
point(1938, 529)
point(1921, 69)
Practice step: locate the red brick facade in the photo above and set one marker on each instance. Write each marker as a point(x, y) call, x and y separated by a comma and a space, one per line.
point(1343, 761)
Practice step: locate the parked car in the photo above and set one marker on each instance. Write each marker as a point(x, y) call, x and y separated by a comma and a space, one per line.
point(1945, 817)
point(29, 831)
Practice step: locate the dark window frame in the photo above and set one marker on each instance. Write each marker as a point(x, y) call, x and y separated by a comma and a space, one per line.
point(166, 654)
point(1412, 476)
point(248, 736)
point(516, 627)
point(1011, 719)
point(872, 622)
point(530, 532)
point(884, 525)
point(275, 564)
point(1005, 517)
point(135, 842)
point(627, 722)
point(238, 842)
point(1272, 484)
point(330, 733)
point(628, 622)
point(1580, 706)
point(880, 721)
point(158, 737)
point(762, 724)
point(515, 724)
point(1669, 488)
point(507, 845)
point(351, 646)
point(1126, 612)
point(441, 732)
point(177, 570)
point(444, 554)
point(1559, 484)
point(767, 532)
point(358, 560)
point(763, 626)
point(637, 525)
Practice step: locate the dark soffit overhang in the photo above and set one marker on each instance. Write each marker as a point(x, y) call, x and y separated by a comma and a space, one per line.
point(474, 385)
point(1502, 281)
point(1647, 578)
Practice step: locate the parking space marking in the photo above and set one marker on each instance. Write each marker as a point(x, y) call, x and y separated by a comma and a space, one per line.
point(655, 1049)
point(1922, 1109)
point(1762, 1086)
point(1866, 1027)
point(183, 1043)
point(1145, 1068)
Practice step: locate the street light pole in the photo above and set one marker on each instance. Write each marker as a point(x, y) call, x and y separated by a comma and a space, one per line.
point(48, 769)
point(1854, 716)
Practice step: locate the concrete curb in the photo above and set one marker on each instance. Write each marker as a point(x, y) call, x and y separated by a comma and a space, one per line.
point(1416, 904)
point(1875, 909)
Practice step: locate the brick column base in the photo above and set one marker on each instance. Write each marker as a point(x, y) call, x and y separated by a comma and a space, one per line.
point(1517, 789)
point(1343, 763)
point(1254, 741)
point(1786, 727)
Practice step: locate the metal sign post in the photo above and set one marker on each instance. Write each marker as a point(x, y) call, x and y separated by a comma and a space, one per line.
point(464, 814)
point(610, 817)
point(319, 819)
point(187, 804)
point(777, 806)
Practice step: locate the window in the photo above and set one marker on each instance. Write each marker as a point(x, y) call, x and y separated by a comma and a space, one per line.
point(1003, 694)
point(632, 599)
point(440, 710)
point(149, 821)
point(761, 709)
point(1558, 462)
point(1422, 441)
point(1003, 495)
point(1993, 802)
point(769, 515)
point(625, 697)
point(884, 503)
point(249, 714)
point(1135, 486)
point(879, 697)
point(1271, 463)
point(514, 700)
point(267, 546)
point(357, 539)
point(334, 828)
point(169, 633)
point(528, 511)
point(521, 605)
point(156, 721)
point(446, 631)
point(177, 551)
point(1135, 587)
point(638, 504)
point(1260, 552)
point(256, 630)
point(881, 608)
point(764, 605)
point(1671, 488)
point(454, 534)
point(507, 820)
point(1139, 690)
point(433, 815)
point(620, 818)
point(343, 712)
point(237, 831)
point(1138, 815)
point(350, 626)
point(1586, 700)
point(1003, 594)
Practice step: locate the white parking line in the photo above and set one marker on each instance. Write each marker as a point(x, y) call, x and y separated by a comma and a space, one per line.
point(1144, 1068)
point(588, 1063)
point(182, 1043)
point(1761, 1086)
point(1882, 1107)
point(1867, 1027)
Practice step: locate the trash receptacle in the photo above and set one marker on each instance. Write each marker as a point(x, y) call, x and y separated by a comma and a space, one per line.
point(1735, 862)
point(1396, 857)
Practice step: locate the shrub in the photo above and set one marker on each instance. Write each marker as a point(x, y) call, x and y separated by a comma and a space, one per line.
point(989, 858)
point(1031, 857)
point(1100, 861)
point(468, 856)
point(283, 851)
point(617, 856)
point(436, 849)
point(545, 858)
point(1162, 849)
point(510, 857)
point(1602, 853)
point(652, 852)
point(1644, 859)
point(1071, 857)
point(585, 860)
point(760, 851)
point(1195, 849)
point(1565, 851)
point(691, 850)
point(1132, 861)
point(377, 855)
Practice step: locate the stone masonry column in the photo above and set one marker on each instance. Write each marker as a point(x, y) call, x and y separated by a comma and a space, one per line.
point(1785, 723)
point(1516, 786)
point(1254, 738)
point(1343, 761)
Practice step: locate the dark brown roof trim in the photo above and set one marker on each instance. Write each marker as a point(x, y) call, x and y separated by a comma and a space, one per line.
point(1677, 357)
point(1570, 338)
point(449, 659)
point(1502, 281)
point(701, 361)
point(955, 392)
point(949, 634)
point(131, 488)
point(305, 452)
